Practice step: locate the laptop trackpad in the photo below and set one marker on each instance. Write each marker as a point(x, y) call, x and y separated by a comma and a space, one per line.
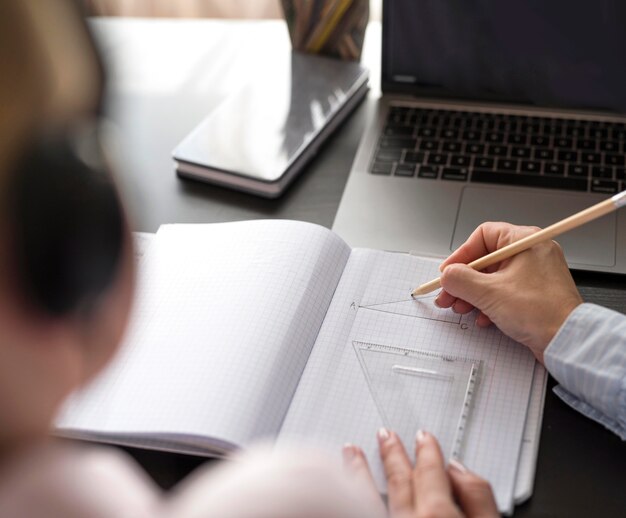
point(593, 244)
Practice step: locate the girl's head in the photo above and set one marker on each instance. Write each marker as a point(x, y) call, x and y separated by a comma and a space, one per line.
point(66, 270)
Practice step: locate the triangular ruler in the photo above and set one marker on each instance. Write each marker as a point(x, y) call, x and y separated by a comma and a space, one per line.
point(416, 389)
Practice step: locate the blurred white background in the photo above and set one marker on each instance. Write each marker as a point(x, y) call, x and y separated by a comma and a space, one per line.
point(198, 8)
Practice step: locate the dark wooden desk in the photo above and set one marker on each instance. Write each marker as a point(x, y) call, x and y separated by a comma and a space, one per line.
point(166, 75)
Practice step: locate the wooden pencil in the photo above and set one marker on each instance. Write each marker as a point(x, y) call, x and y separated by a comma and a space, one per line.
point(569, 223)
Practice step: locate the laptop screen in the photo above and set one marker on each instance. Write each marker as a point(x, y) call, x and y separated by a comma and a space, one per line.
point(548, 53)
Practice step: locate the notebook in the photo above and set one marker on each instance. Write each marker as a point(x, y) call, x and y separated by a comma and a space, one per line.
point(272, 123)
point(493, 111)
point(247, 331)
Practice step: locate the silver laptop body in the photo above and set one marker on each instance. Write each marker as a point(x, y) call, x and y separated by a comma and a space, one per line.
point(435, 183)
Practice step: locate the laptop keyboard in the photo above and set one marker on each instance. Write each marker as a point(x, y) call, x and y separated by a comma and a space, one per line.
point(577, 155)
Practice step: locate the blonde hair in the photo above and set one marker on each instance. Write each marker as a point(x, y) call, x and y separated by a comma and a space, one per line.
point(22, 80)
point(47, 74)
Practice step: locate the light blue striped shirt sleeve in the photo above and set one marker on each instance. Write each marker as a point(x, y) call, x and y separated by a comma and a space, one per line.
point(588, 358)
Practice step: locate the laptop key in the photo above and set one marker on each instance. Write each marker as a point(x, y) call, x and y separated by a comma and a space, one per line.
point(399, 131)
point(604, 186)
point(497, 150)
point(396, 120)
point(418, 120)
point(382, 167)
point(475, 149)
point(451, 147)
point(494, 138)
point(413, 157)
point(398, 143)
point(575, 131)
point(428, 145)
point(479, 124)
point(501, 126)
point(578, 171)
point(529, 180)
point(602, 172)
point(618, 133)
point(540, 140)
point(550, 129)
point(531, 128)
point(562, 142)
point(528, 166)
point(472, 136)
point(388, 155)
point(437, 159)
point(609, 146)
point(459, 161)
point(404, 170)
point(590, 158)
point(483, 162)
point(454, 173)
point(428, 171)
point(517, 139)
point(610, 159)
point(543, 154)
point(507, 164)
point(426, 132)
point(567, 156)
point(598, 133)
point(449, 134)
point(555, 169)
point(586, 144)
point(520, 152)
point(620, 174)
point(399, 109)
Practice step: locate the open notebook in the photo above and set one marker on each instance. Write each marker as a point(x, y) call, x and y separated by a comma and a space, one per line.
point(245, 331)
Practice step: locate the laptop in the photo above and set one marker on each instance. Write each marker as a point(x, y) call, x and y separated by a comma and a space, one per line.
point(493, 111)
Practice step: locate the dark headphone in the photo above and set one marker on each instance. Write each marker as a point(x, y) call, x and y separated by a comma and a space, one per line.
point(65, 220)
point(62, 214)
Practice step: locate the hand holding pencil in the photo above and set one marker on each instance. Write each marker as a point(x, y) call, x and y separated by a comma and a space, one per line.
point(524, 285)
point(528, 296)
point(516, 277)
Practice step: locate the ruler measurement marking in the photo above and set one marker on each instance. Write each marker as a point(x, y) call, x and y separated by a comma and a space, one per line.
point(461, 427)
point(459, 434)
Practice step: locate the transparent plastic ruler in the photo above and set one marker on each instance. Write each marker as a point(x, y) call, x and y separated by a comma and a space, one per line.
point(418, 389)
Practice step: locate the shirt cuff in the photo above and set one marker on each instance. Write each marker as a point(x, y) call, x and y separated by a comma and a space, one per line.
point(587, 357)
point(590, 412)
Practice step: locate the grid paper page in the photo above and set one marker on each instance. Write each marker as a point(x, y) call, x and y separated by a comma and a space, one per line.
point(90, 408)
point(333, 405)
point(226, 318)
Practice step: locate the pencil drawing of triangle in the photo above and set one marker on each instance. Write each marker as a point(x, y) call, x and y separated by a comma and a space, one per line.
point(409, 307)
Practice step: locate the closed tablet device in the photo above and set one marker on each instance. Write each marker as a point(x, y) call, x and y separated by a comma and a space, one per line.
point(260, 137)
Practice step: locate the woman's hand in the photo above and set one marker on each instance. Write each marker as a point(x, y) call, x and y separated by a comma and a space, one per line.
point(528, 296)
point(428, 489)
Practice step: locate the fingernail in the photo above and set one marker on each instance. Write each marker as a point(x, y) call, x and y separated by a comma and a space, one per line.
point(419, 437)
point(383, 435)
point(436, 302)
point(455, 464)
point(349, 452)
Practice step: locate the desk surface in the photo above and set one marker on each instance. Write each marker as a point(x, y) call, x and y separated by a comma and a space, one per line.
point(165, 76)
